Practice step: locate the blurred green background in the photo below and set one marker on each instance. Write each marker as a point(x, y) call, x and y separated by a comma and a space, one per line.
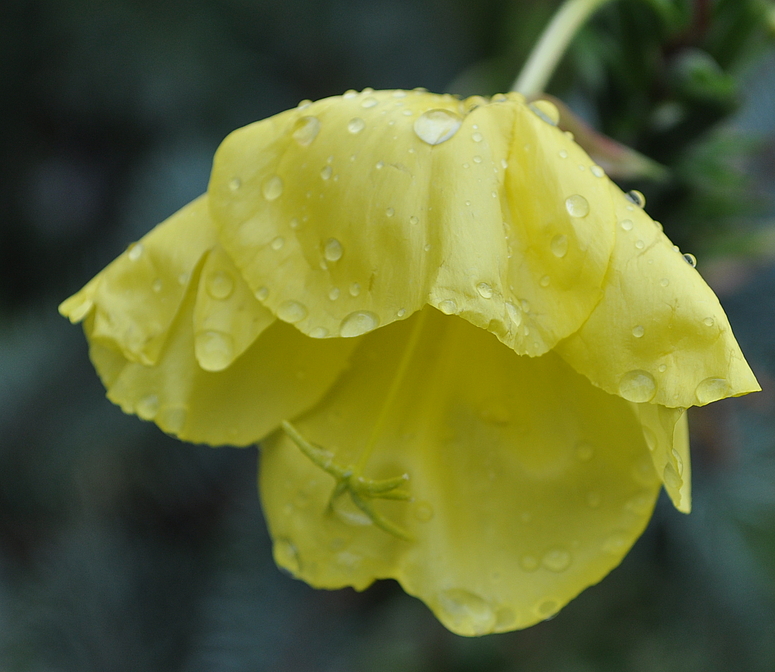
point(123, 549)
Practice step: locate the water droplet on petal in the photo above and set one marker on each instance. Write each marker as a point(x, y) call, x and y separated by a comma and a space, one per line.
point(220, 285)
point(477, 137)
point(563, 154)
point(651, 439)
point(709, 321)
point(272, 187)
point(156, 285)
point(235, 184)
point(318, 332)
point(577, 205)
point(326, 172)
point(448, 306)
point(356, 125)
point(636, 197)
point(671, 478)
point(597, 171)
point(546, 111)
point(467, 613)
point(626, 224)
point(291, 311)
point(548, 608)
point(306, 130)
point(556, 560)
point(559, 246)
point(355, 289)
point(401, 312)
point(640, 504)
point(485, 291)
point(514, 313)
point(662, 368)
point(358, 323)
point(413, 220)
point(691, 260)
point(214, 350)
point(147, 407)
point(615, 544)
point(390, 212)
point(640, 244)
point(436, 126)
point(333, 250)
point(664, 282)
point(712, 389)
point(544, 282)
point(477, 159)
point(638, 331)
point(278, 243)
point(369, 102)
point(638, 386)
point(135, 251)
point(333, 293)
point(262, 293)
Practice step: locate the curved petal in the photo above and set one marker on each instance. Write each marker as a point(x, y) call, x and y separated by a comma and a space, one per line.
point(227, 317)
point(666, 431)
point(281, 374)
point(528, 484)
point(659, 335)
point(136, 297)
point(355, 211)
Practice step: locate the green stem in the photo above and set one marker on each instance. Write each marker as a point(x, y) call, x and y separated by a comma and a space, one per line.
point(547, 53)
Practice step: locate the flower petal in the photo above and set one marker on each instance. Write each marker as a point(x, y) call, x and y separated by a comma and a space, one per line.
point(356, 211)
point(666, 431)
point(227, 317)
point(135, 299)
point(528, 484)
point(659, 334)
point(281, 374)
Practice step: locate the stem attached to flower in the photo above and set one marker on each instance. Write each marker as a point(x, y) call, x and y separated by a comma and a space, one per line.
point(546, 54)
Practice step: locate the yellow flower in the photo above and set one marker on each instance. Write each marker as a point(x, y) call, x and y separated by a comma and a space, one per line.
point(467, 354)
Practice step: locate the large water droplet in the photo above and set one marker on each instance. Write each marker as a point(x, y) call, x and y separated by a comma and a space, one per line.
point(358, 323)
point(356, 125)
point(292, 311)
point(172, 419)
point(577, 205)
point(597, 171)
point(437, 126)
point(286, 555)
point(214, 350)
point(514, 313)
point(626, 224)
point(546, 111)
point(485, 290)
point(636, 197)
point(147, 407)
point(135, 251)
point(220, 285)
point(333, 250)
point(559, 245)
point(468, 614)
point(556, 560)
point(712, 389)
point(691, 260)
point(272, 188)
point(448, 306)
point(671, 478)
point(306, 130)
point(638, 386)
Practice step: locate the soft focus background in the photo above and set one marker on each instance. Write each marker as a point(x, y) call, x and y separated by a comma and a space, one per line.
point(123, 549)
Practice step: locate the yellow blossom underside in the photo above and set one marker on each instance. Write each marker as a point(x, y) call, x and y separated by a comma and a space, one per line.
point(479, 348)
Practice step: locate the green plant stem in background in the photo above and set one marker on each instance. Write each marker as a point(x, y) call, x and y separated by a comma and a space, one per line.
point(546, 54)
